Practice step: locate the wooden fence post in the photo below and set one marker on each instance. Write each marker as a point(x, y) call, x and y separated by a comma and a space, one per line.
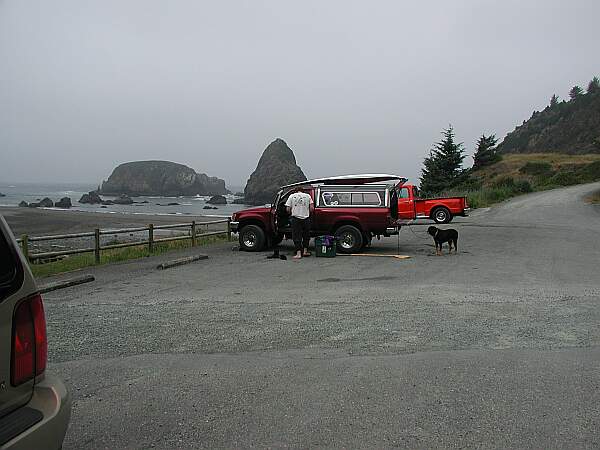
point(25, 246)
point(151, 238)
point(229, 229)
point(97, 245)
point(193, 233)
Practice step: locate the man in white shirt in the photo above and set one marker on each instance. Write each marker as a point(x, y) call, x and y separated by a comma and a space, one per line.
point(299, 207)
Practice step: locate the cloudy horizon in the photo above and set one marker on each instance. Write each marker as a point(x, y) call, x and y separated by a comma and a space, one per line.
point(351, 86)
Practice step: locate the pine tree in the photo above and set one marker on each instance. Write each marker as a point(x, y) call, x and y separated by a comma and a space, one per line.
point(442, 169)
point(553, 101)
point(594, 86)
point(486, 153)
point(575, 92)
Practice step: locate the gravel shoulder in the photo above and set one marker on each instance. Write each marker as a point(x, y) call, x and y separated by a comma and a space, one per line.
point(471, 349)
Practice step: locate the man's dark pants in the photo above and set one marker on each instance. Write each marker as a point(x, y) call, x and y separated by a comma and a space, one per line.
point(300, 233)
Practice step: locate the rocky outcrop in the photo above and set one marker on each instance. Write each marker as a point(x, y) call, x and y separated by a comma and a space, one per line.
point(46, 203)
point(64, 202)
point(162, 178)
point(91, 198)
point(23, 204)
point(123, 200)
point(2, 195)
point(217, 200)
point(276, 167)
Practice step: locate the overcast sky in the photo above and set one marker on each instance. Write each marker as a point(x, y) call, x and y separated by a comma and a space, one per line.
point(351, 86)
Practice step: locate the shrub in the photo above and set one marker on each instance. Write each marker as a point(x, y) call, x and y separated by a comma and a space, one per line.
point(590, 172)
point(536, 168)
point(504, 182)
point(566, 178)
point(523, 186)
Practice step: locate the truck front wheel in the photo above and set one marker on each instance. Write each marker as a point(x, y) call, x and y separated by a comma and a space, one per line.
point(349, 239)
point(441, 215)
point(252, 238)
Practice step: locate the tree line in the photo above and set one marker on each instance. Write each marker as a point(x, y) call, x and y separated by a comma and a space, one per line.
point(443, 167)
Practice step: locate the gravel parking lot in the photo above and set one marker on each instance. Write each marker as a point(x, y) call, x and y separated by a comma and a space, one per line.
point(496, 346)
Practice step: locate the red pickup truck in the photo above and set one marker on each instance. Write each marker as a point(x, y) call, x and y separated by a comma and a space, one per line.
point(441, 210)
point(354, 208)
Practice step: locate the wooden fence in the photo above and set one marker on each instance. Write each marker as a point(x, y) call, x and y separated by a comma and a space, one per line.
point(97, 233)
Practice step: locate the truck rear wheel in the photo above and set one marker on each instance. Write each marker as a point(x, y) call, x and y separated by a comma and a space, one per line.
point(441, 215)
point(252, 238)
point(350, 239)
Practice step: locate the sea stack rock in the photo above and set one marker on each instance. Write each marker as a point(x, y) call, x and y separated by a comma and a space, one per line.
point(162, 178)
point(23, 204)
point(46, 203)
point(64, 202)
point(91, 197)
point(276, 167)
point(123, 200)
point(217, 200)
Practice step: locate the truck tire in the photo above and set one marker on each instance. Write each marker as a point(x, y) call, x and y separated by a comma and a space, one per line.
point(252, 238)
point(349, 239)
point(441, 215)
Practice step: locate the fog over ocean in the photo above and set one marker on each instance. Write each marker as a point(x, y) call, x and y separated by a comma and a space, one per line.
point(34, 192)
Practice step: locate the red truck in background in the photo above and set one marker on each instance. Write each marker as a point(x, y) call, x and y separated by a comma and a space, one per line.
point(441, 210)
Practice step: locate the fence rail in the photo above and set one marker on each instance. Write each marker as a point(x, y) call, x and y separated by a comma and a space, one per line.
point(98, 247)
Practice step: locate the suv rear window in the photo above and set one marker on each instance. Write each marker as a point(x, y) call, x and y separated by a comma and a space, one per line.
point(351, 198)
point(9, 269)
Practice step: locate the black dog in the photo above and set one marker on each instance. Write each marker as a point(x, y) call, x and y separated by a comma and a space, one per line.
point(441, 236)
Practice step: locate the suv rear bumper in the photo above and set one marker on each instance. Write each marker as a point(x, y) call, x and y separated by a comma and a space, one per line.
point(51, 398)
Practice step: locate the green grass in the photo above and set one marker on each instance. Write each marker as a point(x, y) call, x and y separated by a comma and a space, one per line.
point(76, 262)
point(519, 174)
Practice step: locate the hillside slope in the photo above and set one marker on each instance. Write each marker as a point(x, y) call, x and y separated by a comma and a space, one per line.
point(571, 127)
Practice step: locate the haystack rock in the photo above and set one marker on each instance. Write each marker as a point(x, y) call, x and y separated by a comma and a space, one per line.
point(123, 200)
point(217, 200)
point(91, 197)
point(64, 202)
point(276, 167)
point(46, 203)
point(163, 178)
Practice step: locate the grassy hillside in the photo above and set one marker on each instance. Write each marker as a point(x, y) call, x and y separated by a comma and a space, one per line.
point(571, 127)
point(518, 174)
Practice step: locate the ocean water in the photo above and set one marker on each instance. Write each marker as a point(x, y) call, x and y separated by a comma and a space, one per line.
point(34, 192)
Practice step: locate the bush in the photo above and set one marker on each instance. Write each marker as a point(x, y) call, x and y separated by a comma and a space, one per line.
point(590, 172)
point(536, 168)
point(523, 186)
point(504, 182)
point(565, 179)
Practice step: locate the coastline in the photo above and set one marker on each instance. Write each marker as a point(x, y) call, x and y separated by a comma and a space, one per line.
point(47, 221)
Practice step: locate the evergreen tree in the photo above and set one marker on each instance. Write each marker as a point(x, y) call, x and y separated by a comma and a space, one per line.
point(594, 86)
point(553, 101)
point(486, 153)
point(442, 169)
point(575, 92)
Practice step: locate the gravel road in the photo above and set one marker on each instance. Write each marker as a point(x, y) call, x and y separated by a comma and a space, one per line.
point(495, 347)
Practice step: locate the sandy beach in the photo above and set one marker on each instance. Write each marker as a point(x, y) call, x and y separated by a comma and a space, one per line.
point(38, 222)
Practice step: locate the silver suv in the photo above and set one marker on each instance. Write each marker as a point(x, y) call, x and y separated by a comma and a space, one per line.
point(35, 406)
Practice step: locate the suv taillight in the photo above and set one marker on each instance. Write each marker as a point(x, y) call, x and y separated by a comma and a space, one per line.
point(29, 342)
